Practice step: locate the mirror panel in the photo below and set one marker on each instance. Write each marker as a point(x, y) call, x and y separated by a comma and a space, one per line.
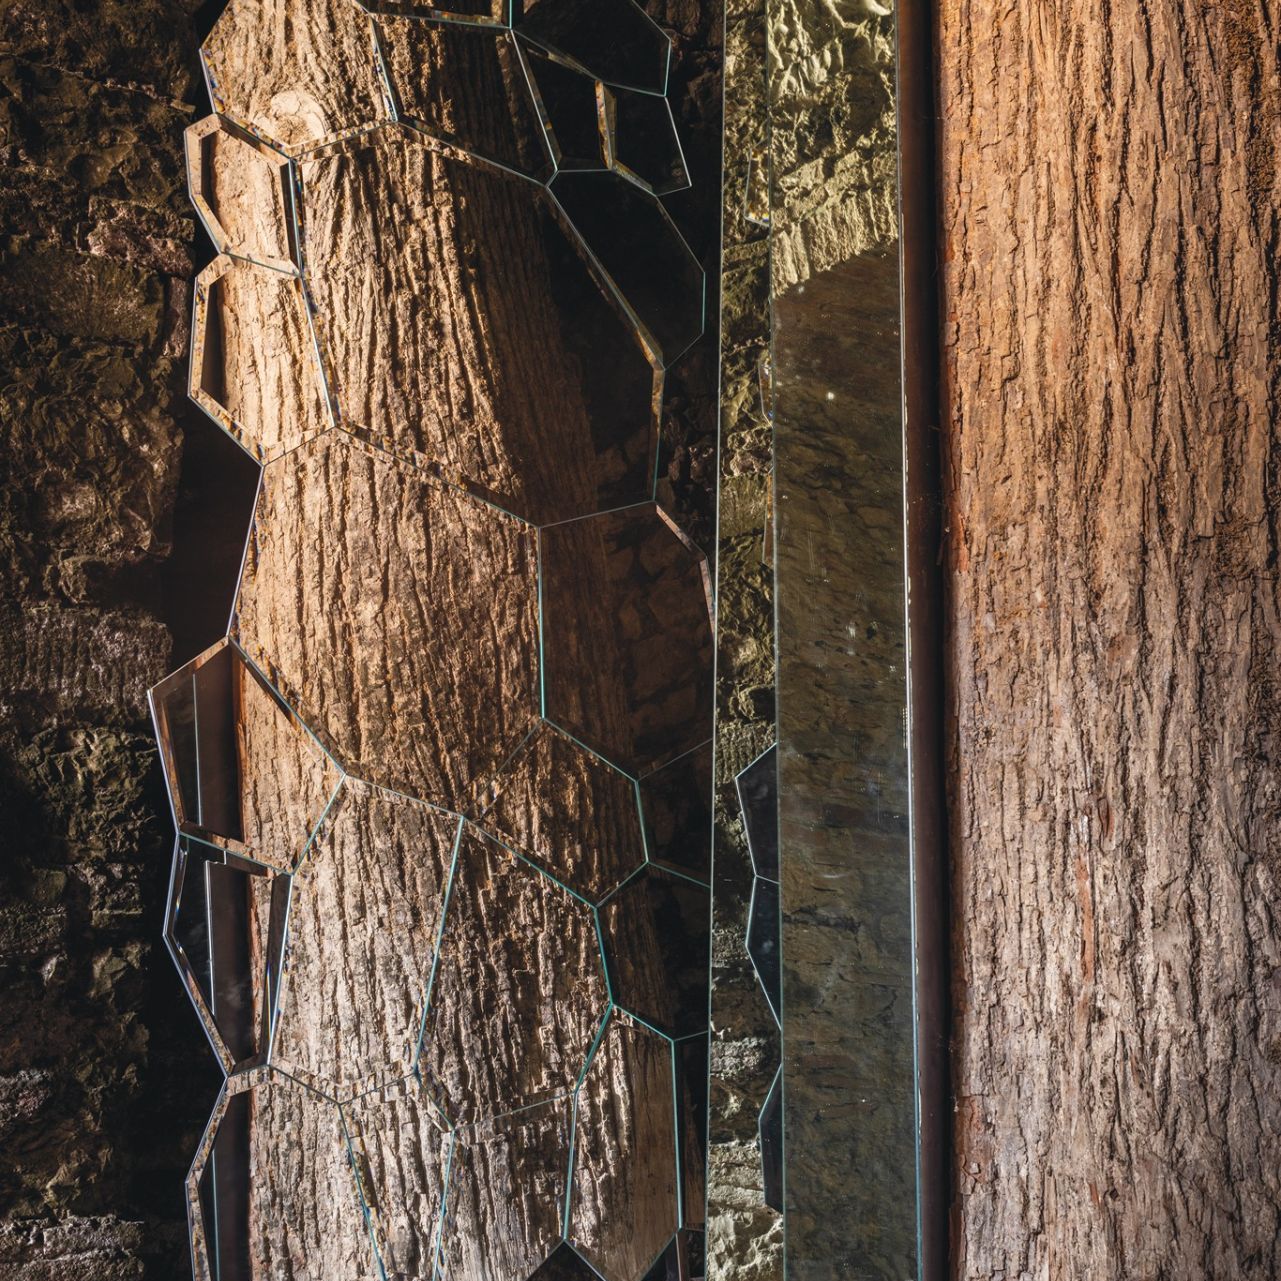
point(544, 851)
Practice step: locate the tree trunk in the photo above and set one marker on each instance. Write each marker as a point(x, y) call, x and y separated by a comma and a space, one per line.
point(1112, 440)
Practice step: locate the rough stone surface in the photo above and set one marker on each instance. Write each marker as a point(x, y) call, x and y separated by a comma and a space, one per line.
point(743, 1233)
point(832, 136)
point(103, 1073)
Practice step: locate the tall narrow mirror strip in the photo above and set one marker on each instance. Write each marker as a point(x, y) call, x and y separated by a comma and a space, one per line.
point(848, 1083)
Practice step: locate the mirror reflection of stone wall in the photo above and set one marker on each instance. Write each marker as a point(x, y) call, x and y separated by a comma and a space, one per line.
point(811, 956)
point(441, 885)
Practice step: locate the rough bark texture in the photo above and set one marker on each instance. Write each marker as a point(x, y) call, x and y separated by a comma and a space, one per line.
point(1110, 227)
point(103, 1075)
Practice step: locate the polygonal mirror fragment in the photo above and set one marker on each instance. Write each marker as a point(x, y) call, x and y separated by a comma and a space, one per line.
point(613, 40)
point(757, 786)
point(241, 189)
point(244, 772)
point(507, 1185)
point(771, 1141)
point(254, 366)
point(421, 668)
point(683, 1260)
point(570, 105)
point(691, 1114)
point(529, 387)
point(625, 1204)
point(656, 935)
point(642, 141)
point(627, 637)
point(763, 941)
point(272, 1192)
point(655, 275)
point(296, 73)
point(519, 991)
point(563, 1264)
point(363, 927)
point(676, 804)
point(401, 1148)
point(495, 118)
point(570, 812)
point(225, 926)
point(473, 13)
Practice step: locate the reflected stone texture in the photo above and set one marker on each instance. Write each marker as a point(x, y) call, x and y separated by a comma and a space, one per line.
point(440, 887)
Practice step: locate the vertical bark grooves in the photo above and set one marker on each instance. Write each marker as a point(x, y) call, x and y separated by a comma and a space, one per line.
point(1110, 227)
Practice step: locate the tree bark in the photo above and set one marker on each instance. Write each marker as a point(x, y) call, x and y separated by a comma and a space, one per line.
point(1111, 437)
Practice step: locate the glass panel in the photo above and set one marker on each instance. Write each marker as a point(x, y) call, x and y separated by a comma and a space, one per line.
point(363, 928)
point(226, 924)
point(564, 1264)
point(244, 772)
point(655, 932)
point(555, 417)
point(254, 368)
point(758, 795)
point(681, 1261)
point(771, 1130)
point(763, 940)
point(569, 103)
point(624, 1205)
point(507, 1186)
point(691, 1107)
point(676, 802)
point(518, 994)
point(627, 639)
point(848, 1093)
point(568, 811)
point(272, 1191)
point(294, 93)
point(612, 39)
point(421, 662)
point(643, 141)
point(401, 1148)
point(634, 239)
point(495, 119)
point(242, 191)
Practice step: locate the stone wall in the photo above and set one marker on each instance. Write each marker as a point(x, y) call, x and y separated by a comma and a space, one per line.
point(104, 1080)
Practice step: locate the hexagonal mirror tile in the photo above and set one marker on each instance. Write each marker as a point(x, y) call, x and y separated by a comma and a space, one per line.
point(569, 811)
point(625, 1203)
point(242, 190)
point(626, 637)
point(496, 119)
point(519, 991)
point(642, 141)
point(296, 73)
point(401, 1148)
point(421, 669)
point(243, 770)
point(364, 923)
point(656, 931)
point(532, 388)
point(507, 1187)
point(225, 928)
point(757, 786)
point(272, 1191)
point(254, 365)
point(614, 40)
point(654, 274)
point(570, 106)
point(676, 806)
